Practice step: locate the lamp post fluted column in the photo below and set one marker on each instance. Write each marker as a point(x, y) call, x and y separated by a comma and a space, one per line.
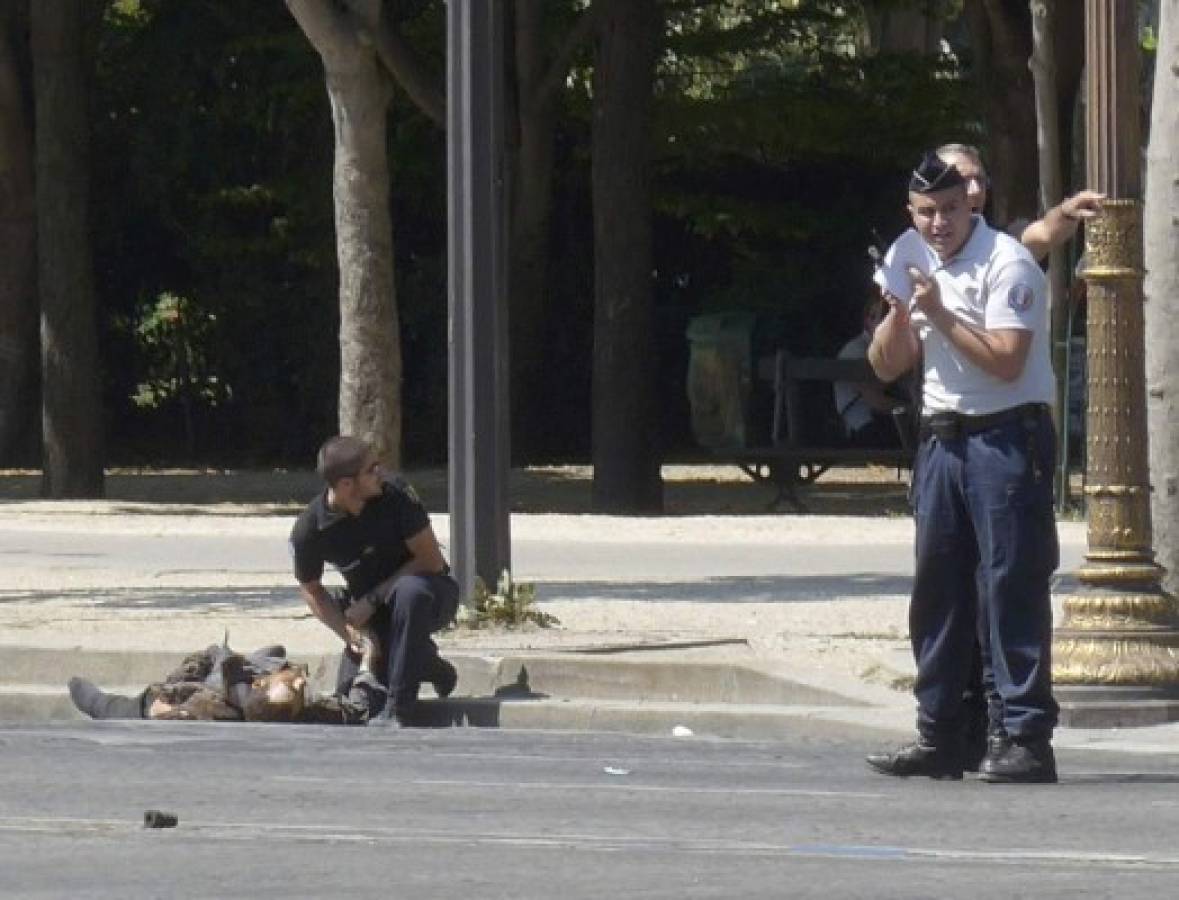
point(1118, 641)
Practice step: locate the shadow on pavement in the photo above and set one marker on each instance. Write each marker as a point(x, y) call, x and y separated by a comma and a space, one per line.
point(736, 589)
point(688, 490)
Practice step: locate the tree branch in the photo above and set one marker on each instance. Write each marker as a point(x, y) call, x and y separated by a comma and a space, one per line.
point(407, 69)
point(323, 23)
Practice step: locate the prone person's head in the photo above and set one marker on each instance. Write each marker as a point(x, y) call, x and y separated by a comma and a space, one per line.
point(277, 697)
point(938, 205)
point(967, 159)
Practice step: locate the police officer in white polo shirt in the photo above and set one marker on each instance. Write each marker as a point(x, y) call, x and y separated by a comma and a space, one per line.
point(970, 304)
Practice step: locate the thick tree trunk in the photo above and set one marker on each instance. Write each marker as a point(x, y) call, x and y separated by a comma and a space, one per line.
point(1161, 240)
point(531, 210)
point(1001, 37)
point(370, 345)
point(19, 349)
point(625, 412)
point(71, 410)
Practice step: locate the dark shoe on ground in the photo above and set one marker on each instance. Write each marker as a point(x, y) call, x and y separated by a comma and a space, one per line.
point(443, 676)
point(974, 750)
point(920, 758)
point(975, 736)
point(1014, 762)
point(98, 704)
point(976, 747)
point(394, 718)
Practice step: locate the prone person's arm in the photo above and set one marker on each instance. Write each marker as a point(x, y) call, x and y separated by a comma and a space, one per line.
point(895, 349)
point(1060, 223)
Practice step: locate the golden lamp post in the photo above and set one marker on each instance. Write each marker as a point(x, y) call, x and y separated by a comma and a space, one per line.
point(1116, 650)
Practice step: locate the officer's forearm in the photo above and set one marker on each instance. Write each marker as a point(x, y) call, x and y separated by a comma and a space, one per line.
point(1000, 353)
point(892, 354)
point(322, 607)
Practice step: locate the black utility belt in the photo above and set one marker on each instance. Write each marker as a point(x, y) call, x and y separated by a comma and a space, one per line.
point(948, 426)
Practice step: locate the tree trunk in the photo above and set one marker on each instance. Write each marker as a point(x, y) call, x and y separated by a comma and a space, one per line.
point(19, 350)
point(71, 414)
point(903, 29)
point(625, 419)
point(1001, 36)
point(370, 345)
point(531, 209)
point(1161, 246)
point(1043, 66)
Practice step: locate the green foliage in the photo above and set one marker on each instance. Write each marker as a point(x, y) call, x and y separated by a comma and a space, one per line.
point(780, 145)
point(174, 335)
point(513, 604)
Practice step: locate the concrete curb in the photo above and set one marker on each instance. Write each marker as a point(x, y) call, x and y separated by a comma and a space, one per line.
point(547, 691)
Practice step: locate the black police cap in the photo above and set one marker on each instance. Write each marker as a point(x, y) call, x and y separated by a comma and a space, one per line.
point(934, 174)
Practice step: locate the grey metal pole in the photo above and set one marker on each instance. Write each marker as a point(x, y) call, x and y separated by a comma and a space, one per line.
point(480, 537)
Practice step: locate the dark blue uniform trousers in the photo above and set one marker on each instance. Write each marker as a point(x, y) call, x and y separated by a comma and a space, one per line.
point(986, 549)
point(411, 608)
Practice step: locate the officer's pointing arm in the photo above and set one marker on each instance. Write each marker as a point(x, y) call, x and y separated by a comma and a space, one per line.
point(1000, 352)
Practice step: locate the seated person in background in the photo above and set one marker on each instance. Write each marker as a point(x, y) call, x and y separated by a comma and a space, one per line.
point(866, 407)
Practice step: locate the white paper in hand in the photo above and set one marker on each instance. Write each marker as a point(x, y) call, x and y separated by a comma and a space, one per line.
point(908, 250)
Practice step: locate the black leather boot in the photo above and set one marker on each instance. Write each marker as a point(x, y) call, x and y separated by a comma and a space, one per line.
point(1015, 761)
point(920, 758)
point(98, 704)
point(443, 676)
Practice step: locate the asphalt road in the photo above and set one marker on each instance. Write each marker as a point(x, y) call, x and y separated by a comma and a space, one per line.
point(300, 811)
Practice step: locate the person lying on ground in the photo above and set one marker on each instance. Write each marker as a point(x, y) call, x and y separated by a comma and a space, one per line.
point(217, 684)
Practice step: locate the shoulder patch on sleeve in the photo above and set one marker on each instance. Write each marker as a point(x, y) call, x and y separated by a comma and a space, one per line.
point(1020, 297)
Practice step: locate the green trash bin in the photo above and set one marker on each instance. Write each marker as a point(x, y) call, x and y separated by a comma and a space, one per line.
point(720, 378)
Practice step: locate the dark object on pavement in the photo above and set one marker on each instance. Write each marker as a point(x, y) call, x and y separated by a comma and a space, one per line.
point(154, 818)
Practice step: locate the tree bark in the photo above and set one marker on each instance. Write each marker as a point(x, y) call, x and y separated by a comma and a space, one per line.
point(1161, 288)
point(625, 420)
point(1001, 36)
point(902, 29)
point(1043, 66)
point(370, 345)
point(19, 350)
point(538, 83)
point(71, 410)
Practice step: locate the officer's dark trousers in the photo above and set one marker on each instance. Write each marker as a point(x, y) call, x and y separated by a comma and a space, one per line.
point(412, 607)
point(986, 549)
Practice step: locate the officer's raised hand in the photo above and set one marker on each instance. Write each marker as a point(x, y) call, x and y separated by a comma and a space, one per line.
point(926, 296)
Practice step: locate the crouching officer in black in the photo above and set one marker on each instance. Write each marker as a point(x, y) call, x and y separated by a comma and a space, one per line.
point(975, 314)
point(376, 532)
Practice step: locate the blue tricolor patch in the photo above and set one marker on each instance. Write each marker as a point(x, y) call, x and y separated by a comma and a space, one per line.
point(1020, 297)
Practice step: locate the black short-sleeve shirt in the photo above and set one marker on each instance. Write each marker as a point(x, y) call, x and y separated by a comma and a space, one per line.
point(366, 548)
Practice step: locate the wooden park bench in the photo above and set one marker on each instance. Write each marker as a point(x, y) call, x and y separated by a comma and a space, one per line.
point(797, 455)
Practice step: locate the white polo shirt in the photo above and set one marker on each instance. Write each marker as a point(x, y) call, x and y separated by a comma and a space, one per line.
point(993, 283)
